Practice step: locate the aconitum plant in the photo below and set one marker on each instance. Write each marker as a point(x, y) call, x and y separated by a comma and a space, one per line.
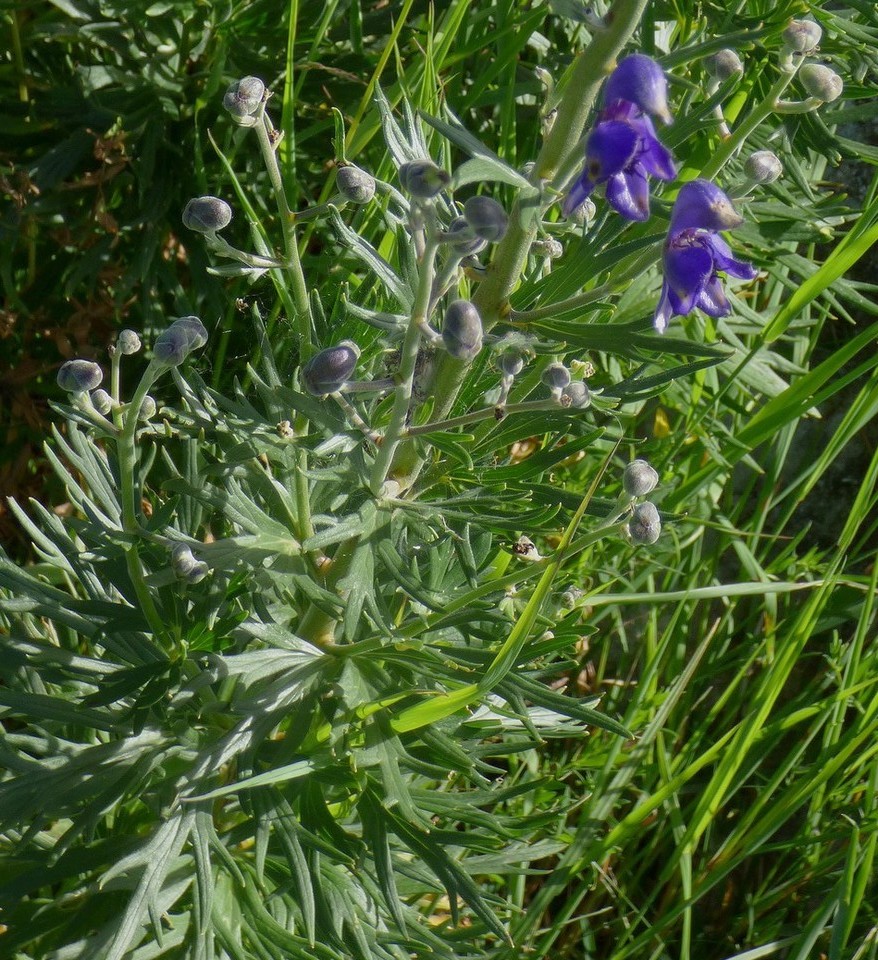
point(292, 640)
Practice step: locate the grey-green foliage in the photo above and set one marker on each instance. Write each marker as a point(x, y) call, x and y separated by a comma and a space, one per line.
point(328, 745)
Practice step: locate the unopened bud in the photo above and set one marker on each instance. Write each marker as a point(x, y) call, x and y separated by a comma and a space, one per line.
point(355, 184)
point(185, 566)
point(821, 82)
point(147, 408)
point(174, 344)
point(763, 167)
point(207, 214)
point(645, 524)
point(556, 377)
point(723, 64)
point(577, 395)
point(802, 36)
point(639, 478)
point(511, 363)
point(486, 217)
point(128, 342)
point(423, 179)
point(102, 402)
point(462, 239)
point(328, 371)
point(79, 376)
point(462, 330)
point(242, 99)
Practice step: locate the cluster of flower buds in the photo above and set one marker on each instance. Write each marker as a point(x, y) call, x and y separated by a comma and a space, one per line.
point(243, 99)
point(644, 524)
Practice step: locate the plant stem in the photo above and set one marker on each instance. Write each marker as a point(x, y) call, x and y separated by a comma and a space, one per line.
point(126, 450)
point(408, 361)
point(486, 413)
point(760, 112)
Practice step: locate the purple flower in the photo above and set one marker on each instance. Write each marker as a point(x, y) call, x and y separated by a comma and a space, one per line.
point(623, 149)
point(695, 254)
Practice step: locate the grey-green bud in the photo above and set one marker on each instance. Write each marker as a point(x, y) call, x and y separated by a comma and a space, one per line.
point(556, 376)
point(511, 363)
point(128, 342)
point(328, 371)
point(102, 402)
point(174, 344)
point(207, 214)
point(645, 524)
point(763, 167)
point(486, 217)
point(423, 179)
point(242, 99)
point(79, 376)
point(577, 395)
point(462, 239)
point(355, 184)
point(802, 36)
point(723, 64)
point(147, 408)
point(639, 478)
point(462, 330)
point(821, 82)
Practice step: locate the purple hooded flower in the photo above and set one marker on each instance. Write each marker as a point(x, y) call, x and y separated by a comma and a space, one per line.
point(623, 149)
point(695, 254)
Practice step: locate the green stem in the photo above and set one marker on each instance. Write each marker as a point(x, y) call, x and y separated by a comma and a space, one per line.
point(302, 304)
point(126, 450)
point(408, 361)
point(760, 112)
point(486, 413)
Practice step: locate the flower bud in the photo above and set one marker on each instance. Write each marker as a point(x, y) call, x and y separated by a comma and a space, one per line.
point(821, 82)
point(328, 371)
point(462, 330)
point(550, 247)
point(486, 217)
point(576, 394)
point(242, 99)
point(462, 239)
point(645, 524)
point(174, 344)
point(207, 214)
point(128, 342)
point(639, 478)
point(79, 376)
point(423, 179)
point(511, 363)
point(802, 36)
point(763, 167)
point(102, 402)
point(355, 184)
point(185, 566)
point(556, 377)
point(147, 408)
point(723, 64)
